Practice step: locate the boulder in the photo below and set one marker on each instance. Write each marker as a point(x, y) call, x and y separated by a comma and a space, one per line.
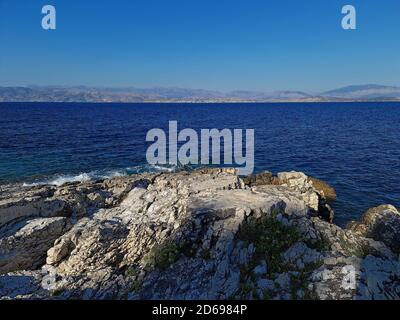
point(23, 246)
point(381, 224)
point(324, 189)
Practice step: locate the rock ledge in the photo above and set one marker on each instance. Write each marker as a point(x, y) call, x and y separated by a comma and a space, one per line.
point(207, 234)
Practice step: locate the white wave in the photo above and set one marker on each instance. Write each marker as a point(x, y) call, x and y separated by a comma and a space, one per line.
point(152, 168)
point(82, 177)
point(66, 178)
point(61, 179)
point(164, 168)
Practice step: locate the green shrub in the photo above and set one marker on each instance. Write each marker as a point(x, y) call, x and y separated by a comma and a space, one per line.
point(162, 256)
point(270, 238)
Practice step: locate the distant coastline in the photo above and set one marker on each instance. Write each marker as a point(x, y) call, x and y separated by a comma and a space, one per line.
point(82, 94)
point(209, 101)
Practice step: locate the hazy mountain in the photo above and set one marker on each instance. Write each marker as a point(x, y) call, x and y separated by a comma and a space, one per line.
point(174, 94)
point(369, 91)
point(92, 94)
point(290, 95)
point(268, 96)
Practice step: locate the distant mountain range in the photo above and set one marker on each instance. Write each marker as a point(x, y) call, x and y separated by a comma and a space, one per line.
point(370, 92)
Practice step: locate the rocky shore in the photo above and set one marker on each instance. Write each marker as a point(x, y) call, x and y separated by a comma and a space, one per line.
point(206, 234)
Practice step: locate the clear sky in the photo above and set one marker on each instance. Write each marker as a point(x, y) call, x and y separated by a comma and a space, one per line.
point(212, 44)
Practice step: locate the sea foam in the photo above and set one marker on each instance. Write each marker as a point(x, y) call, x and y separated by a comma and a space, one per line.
point(61, 179)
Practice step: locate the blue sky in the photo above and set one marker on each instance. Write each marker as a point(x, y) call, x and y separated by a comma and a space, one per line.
point(211, 44)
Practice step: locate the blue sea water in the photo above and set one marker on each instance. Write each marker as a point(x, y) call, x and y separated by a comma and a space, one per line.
point(353, 146)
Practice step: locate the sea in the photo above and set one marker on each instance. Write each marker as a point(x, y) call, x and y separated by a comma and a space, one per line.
point(355, 147)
